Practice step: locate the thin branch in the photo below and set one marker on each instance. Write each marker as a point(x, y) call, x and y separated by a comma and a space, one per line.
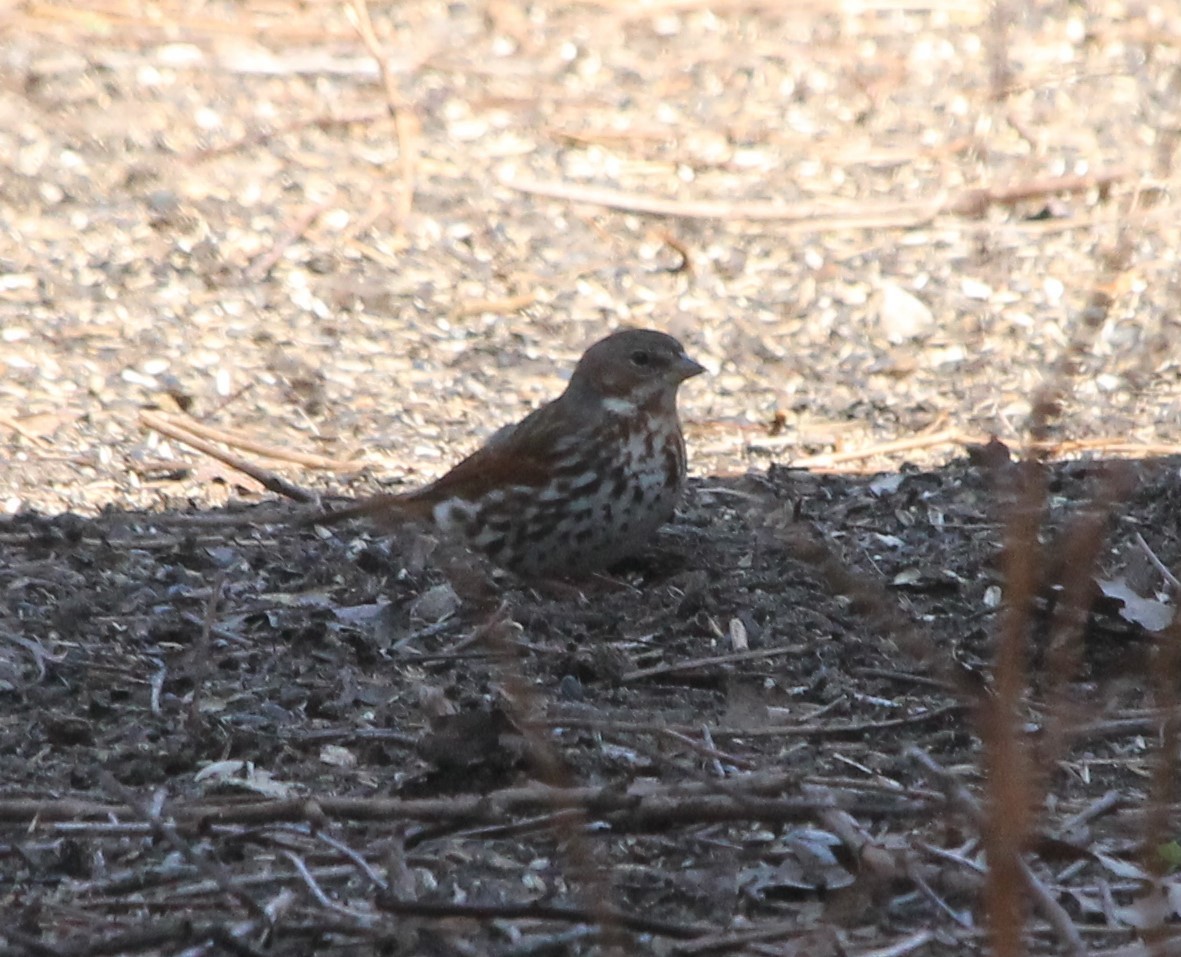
point(187, 427)
point(200, 656)
point(539, 911)
point(754, 796)
point(168, 832)
point(324, 900)
point(267, 480)
point(1043, 899)
point(405, 124)
point(696, 664)
point(970, 202)
point(1160, 566)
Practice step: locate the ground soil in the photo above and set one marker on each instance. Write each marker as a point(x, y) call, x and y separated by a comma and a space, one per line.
point(929, 256)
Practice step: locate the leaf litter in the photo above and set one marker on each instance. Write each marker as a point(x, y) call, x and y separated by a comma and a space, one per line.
point(218, 731)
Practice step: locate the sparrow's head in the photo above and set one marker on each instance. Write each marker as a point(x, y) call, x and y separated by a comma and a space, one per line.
point(632, 368)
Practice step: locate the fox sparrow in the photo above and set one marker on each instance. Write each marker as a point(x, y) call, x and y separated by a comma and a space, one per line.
point(578, 484)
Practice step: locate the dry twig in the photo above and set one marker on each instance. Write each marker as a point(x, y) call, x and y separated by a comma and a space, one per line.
point(970, 202)
point(182, 429)
point(738, 797)
point(1043, 899)
point(405, 124)
point(268, 480)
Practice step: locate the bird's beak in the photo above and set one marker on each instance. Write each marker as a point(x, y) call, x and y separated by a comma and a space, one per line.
point(686, 368)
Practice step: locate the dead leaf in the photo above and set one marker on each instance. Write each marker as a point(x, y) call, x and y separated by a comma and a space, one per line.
point(1148, 613)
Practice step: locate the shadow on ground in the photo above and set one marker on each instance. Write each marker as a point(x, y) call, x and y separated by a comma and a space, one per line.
point(804, 634)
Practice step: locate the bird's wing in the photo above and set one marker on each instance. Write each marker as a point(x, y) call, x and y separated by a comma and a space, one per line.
point(522, 454)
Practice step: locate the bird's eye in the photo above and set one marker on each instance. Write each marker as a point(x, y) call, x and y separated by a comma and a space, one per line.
point(641, 359)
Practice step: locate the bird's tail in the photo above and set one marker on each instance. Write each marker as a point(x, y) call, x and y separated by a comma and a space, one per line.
point(387, 509)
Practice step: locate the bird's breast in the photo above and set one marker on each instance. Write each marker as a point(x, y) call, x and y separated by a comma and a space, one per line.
point(606, 491)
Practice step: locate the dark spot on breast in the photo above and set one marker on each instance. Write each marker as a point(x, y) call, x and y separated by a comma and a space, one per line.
point(571, 468)
point(673, 462)
point(584, 535)
point(538, 532)
point(638, 494)
point(495, 547)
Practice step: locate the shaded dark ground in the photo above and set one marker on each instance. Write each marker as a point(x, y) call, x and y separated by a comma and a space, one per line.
point(219, 734)
point(329, 671)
